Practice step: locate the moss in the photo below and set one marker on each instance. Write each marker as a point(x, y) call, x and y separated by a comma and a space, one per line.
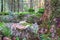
point(41, 10)
point(31, 10)
point(4, 13)
point(24, 24)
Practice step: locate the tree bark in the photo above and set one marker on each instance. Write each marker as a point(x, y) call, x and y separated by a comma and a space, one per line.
point(1, 5)
point(47, 11)
point(31, 3)
point(18, 5)
point(14, 5)
point(46, 16)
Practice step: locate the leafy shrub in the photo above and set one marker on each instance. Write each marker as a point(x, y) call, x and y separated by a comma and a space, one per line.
point(21, 15)
point(4, 13)
point(17, 38)
point(38, 15)
point(31, 10)
point(41, 10)
point(5, 30)
point(30, 19)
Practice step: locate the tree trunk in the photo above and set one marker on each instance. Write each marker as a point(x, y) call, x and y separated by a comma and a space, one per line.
point(46, 16)
point(11, 5)
point(47, 11)
point(21, 5)
point(31, 3)
point(18, 5)
point(14, 5)
point(1, 5)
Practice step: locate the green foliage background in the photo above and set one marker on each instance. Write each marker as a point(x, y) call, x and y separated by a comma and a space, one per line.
point(5, 30)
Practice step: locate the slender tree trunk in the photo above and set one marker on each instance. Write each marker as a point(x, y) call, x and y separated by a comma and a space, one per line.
point(48, 7)
point(31, 3)
point(4, 4)
point(1, 5)
point(14, 5)
point(8, 4)
point(18, 5)
point(11, 5)
point(22, 5)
